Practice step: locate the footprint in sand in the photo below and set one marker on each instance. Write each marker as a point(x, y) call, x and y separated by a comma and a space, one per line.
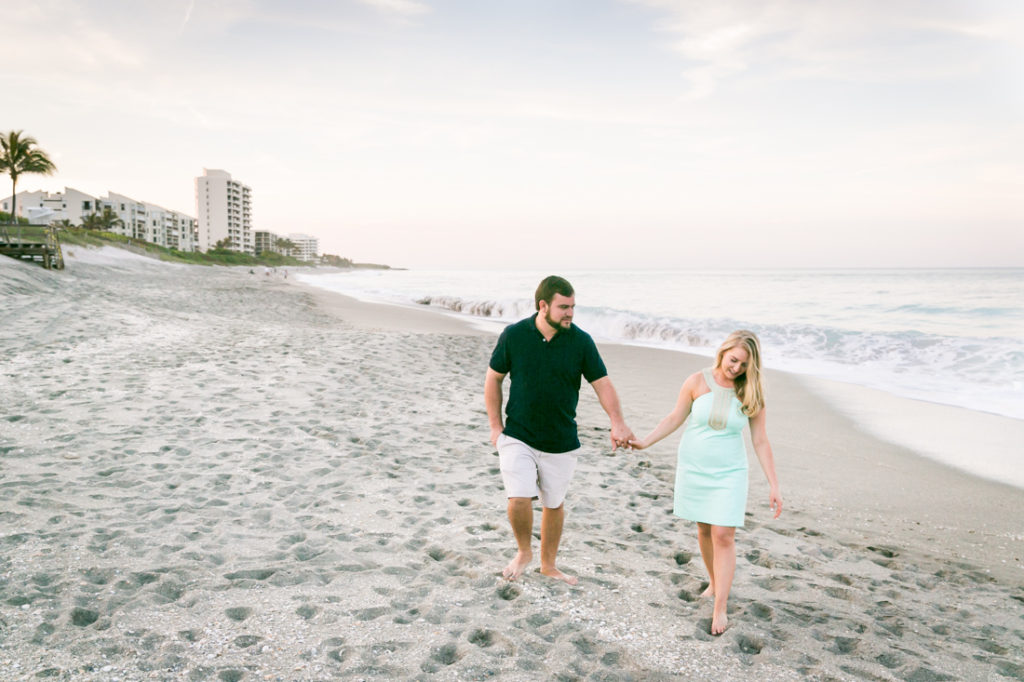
point(750, 644)
point(446, 654)
point(306, 611)
point(238, 613)
point(83, 617)
point(761, 611)
point(845, 645)
point(246, 641)
point(508, 591)
point(482, 638)
point(688, 596)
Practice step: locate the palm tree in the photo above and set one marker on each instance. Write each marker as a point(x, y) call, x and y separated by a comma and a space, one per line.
point(285, 246)
point(20, 155)
point(102, 222)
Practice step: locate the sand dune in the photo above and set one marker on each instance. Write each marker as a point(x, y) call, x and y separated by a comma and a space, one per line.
point(208, 474)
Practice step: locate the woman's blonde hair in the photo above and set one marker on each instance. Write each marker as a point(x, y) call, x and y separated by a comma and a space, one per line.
point(749, 385)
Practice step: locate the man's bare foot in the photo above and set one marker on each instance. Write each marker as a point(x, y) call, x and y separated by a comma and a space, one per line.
point(558, 575)
point(516, 567)
point(719, 623)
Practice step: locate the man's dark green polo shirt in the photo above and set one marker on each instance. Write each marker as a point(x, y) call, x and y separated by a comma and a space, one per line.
point(545, 382)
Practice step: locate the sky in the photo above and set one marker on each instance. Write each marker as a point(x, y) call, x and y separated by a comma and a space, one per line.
point(549, 133)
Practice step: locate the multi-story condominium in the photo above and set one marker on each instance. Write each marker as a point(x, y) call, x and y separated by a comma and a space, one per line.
point(264, 241)
point(133, 215)
point(224, 212)
point(139, 220)
point(306, 247)
point(171, 229)
point(43, 208)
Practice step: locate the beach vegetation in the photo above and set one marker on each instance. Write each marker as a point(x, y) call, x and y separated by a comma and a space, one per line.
point(6, 218)
point(216, 256)
point(104, 221)
point(336, 261)
point(285, 246)
point(276, 259)
point(19, 155)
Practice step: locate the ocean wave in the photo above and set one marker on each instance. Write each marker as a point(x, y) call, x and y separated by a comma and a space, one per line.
point(957, 359)
point(899, 350)
point(960, 311)
point(979, 373)
point(505, 310)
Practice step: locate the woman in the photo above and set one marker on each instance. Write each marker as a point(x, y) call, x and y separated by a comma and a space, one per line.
point(711, 476)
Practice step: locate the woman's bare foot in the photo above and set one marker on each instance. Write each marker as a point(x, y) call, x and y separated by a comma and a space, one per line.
point(558, 575)
point(719, 623)
point(516, 567)
point(709, 592)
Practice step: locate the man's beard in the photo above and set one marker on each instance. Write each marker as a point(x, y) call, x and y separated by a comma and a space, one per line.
point(555, 325)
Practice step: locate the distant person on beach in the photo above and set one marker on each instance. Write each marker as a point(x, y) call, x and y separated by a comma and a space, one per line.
point(545, 356)
point(711, 473)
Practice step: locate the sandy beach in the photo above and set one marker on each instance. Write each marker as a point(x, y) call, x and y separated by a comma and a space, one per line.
point(208, 474)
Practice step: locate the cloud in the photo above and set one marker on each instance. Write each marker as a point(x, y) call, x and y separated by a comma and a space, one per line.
point(401, 7)
point(188, 13)
point(872, 41)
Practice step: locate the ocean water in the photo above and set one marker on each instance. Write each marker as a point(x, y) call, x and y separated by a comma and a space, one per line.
point(949, 336)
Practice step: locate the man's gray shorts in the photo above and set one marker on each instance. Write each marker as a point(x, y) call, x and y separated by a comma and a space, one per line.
point(528, 472)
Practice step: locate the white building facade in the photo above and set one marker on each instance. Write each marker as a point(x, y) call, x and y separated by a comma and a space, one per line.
point(44, 208)
point(223, 212)
point(307, 247)
point(132, 213)
point(139, 220)
point(170, 228)
point(264, 241)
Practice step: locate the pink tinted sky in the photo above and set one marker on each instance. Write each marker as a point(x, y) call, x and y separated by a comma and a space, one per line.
point(554, 133)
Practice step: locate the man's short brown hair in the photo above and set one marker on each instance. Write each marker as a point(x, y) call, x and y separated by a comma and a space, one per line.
point(550, 286)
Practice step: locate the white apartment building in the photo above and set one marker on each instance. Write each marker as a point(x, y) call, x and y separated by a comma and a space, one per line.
point(43, 208)
point(151, 223)
point(223, 211)
point(132, 213)
point(147, 222)
point(264, 241)
point(170, 228)
point(306, 248)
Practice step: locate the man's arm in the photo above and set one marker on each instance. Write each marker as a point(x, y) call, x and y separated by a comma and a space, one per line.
point(609, 399)
point(492, 399)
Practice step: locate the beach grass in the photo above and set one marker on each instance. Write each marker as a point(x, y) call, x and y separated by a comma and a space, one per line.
point(83, 237)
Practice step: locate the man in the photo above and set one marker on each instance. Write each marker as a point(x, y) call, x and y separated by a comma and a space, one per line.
point(545, 355)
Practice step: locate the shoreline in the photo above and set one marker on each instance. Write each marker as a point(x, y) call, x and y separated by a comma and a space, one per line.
point(910, 485)
point(877, 411)
point(871, 347)
point(226, 476)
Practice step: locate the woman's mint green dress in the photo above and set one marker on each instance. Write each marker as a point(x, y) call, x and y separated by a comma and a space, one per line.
point(711, 475)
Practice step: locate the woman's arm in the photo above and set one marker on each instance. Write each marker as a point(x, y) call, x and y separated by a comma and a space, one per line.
point(763, 450)
point(674, 419)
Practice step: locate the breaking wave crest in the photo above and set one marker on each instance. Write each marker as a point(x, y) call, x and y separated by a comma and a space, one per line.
point(964, 353)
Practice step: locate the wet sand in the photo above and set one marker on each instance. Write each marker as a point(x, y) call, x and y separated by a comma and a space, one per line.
point(208, 474)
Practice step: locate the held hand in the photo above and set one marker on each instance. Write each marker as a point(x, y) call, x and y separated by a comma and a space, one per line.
point(775, 501)
point(637, 444)
point(621, 436)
